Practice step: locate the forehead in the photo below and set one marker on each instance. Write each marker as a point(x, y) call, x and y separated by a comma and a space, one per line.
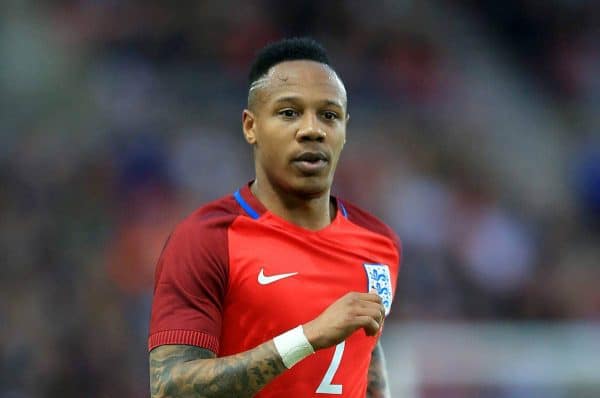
point(308, 79)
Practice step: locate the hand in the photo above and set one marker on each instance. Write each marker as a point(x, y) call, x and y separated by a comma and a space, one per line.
point(342, 318)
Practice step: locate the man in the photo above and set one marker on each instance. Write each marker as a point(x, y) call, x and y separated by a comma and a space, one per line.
point(279, 290)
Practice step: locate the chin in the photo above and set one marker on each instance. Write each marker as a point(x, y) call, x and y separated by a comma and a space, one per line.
point(311, 187)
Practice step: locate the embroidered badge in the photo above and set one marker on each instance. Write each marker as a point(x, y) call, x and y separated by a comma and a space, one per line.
point(380, 281)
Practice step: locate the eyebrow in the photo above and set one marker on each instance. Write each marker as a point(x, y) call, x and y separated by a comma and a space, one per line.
point(298, 99)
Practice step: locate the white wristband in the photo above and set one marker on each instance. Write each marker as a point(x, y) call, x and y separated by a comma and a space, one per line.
point(293, 346)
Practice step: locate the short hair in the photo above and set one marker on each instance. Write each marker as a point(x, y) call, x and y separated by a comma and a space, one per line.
point(293, 49)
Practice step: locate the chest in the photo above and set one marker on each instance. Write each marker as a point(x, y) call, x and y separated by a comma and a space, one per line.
point(284, 278)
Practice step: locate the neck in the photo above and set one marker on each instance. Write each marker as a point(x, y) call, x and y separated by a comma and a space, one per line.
point(312, 213)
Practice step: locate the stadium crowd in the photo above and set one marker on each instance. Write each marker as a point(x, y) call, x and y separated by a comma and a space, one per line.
point(473, 132)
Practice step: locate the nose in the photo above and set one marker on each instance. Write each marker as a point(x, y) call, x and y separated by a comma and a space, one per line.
point(311, 131)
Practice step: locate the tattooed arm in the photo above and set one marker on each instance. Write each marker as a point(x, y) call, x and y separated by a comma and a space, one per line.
point(377, 386)
point(182, 371)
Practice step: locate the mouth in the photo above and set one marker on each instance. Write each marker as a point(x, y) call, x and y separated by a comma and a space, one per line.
point(310, 162)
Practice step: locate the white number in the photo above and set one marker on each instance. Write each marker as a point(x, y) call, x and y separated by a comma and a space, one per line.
point(326, 387)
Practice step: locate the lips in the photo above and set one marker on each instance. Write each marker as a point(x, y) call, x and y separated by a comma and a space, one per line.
point(312, 157)
point(311, 162)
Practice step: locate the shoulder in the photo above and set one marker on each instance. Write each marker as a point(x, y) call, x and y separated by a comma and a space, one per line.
point(208, 222)
point(200, 240)
point(211, 217)
point(366, 220)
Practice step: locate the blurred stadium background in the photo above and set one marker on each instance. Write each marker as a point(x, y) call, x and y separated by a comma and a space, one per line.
point(474, 133)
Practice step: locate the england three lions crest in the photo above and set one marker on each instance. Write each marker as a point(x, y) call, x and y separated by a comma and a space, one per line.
point(380, 280)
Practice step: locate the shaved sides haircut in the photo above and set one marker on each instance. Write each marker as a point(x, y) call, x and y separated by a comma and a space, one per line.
point(293, 49)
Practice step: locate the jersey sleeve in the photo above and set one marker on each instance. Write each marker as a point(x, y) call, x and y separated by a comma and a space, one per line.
point(190, 284)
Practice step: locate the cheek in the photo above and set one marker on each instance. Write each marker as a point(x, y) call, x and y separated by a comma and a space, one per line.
point(338, 144)
point(271, 146)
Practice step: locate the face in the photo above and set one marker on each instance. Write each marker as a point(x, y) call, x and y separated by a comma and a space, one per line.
point(296, 122)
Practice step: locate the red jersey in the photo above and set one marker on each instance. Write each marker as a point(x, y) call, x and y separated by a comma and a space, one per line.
point(233, 276)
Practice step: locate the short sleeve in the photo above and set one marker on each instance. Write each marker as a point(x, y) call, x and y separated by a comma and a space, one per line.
point(190, 284)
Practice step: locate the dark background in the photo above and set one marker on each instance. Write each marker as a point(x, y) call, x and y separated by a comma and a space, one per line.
point(474, 133)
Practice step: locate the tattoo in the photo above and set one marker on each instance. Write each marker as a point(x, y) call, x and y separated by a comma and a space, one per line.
point(377, 386)
point(182, 371)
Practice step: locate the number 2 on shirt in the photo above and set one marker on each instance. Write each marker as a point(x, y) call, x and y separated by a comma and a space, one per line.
point(326, 387)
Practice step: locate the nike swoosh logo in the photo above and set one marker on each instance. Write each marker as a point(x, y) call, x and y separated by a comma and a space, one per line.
point(265, 280)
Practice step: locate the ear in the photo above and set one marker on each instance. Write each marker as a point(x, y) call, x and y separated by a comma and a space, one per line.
point(249, 126)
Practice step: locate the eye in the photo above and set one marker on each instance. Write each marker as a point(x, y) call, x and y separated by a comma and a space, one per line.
point(288, 113)
point(329, 115)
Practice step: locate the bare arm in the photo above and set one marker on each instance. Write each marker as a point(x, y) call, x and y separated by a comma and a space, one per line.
point(377, 386)
point(181, 371)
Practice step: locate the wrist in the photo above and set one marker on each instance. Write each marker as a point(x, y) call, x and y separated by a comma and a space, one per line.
point(313, 336)
point(293, 346)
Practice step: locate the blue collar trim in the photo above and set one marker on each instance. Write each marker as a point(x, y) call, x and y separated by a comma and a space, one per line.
point(247, 208)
